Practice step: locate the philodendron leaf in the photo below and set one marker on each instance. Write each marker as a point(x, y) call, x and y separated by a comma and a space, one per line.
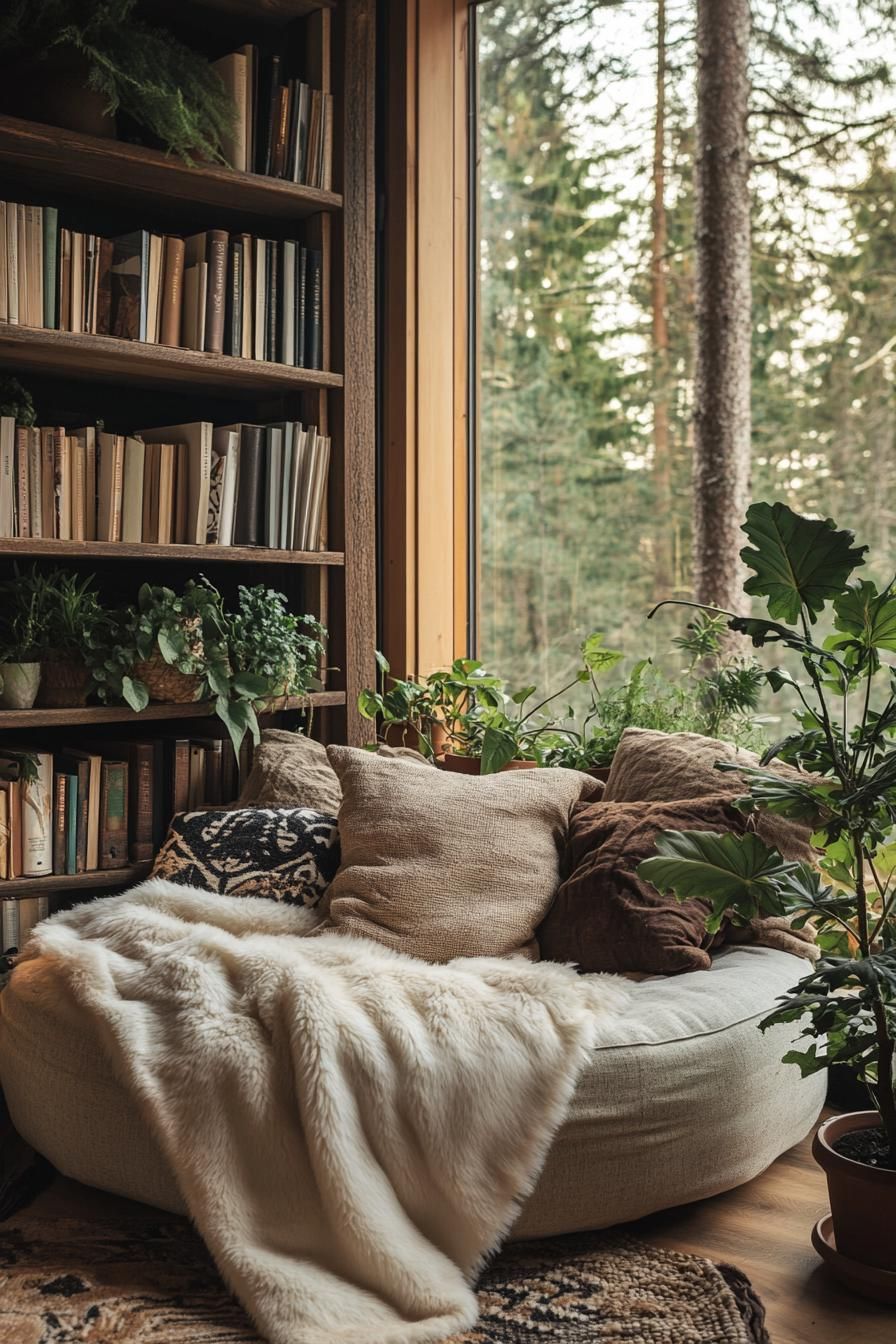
point(724, 870)
point(498, 747)
point(797, 562)
point(867, 615)
point(134, 693)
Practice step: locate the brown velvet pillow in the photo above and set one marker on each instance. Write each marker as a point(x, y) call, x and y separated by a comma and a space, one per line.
point(650, 766)
point(606, 918)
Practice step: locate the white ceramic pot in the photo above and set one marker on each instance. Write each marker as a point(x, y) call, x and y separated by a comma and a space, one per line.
point(19, 685)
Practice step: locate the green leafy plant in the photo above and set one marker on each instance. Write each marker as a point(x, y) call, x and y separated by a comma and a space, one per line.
point(265, 639)
point(717, 696)
point(24, 616)
point(164, 86)
point(846, 1005)
point(475, 713)
point(74, 619)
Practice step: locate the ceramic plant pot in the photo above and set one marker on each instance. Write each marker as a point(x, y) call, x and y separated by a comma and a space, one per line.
point(53, 90)
point(471, 765)
point(20, 685)
point(863, 1198)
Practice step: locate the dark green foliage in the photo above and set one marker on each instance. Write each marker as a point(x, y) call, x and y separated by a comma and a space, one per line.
point(266, 640)
point(847, 1005)
point(49, 613)
point(168, 89)
point(15, 400)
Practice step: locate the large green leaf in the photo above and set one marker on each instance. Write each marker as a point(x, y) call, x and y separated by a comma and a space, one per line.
point(724, 870)
point(797, 562)
point(498, 747)
point(867, 615)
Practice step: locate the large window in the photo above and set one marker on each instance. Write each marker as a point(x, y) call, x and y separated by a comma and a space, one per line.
point(585, 271)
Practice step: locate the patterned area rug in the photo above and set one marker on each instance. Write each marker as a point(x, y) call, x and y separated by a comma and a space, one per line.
point(70, 1282)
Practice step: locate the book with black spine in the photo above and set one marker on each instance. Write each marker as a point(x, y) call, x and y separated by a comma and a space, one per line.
point(233, 318)
point(247, 518)
point(314, 310)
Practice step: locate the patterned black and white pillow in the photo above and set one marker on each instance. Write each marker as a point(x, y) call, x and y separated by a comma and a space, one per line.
point(285, 854)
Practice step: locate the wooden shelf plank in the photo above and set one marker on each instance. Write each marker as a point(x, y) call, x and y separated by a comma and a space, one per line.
point(62, 718)
point(108, 358)
point(123, 550)
point(100, 880)
point(113, 170)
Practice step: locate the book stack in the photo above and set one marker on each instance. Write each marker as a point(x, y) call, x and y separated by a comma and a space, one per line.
point(283, 128)
point(188, 484)
point(109, 804)
point(230, 294)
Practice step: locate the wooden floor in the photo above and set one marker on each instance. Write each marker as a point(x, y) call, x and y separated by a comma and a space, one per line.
point(763, 1228)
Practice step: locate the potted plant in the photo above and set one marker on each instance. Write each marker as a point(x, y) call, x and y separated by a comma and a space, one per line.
point(22, 637)
point(72, 621)
point(266, 640)
point(844, 744)
point(174, 649)
point(76, 63)
point(470, 721)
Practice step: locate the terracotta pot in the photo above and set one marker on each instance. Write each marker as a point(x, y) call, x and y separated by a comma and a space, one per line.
point(599, 772)
point(64, 683)
point(471, 765)
point(863, 1198)
point(20, 685)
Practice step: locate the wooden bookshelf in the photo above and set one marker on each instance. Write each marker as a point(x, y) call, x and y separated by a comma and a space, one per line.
point(15, 719)
point(200, 555)
point(108, 359)
point(90, 163)
point(100, 879)
point(120, 186)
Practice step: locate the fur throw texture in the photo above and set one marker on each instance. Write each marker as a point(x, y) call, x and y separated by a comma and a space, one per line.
point(352, 1130)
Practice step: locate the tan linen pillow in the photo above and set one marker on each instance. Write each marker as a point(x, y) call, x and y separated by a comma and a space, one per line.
point(442, 865)
point(654, 767)
point(291, 770)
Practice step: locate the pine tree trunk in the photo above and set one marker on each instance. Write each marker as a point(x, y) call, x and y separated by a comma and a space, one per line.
point(722, 374)
point(662, 461)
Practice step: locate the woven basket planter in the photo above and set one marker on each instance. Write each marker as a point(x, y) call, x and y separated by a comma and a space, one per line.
point(165, 684)
point(64, 683)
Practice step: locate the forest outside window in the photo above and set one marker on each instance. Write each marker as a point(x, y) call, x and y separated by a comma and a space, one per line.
point(585, 327)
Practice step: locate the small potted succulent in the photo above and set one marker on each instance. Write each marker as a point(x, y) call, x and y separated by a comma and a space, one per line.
point(843, 742)
point(470, 721)
point(266, 640)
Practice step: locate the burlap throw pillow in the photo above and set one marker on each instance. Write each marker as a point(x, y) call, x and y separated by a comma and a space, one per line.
point(290, 770)
point(442, 865)
point(653, 767)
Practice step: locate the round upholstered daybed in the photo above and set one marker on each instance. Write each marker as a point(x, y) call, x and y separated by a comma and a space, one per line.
point(684, 1099)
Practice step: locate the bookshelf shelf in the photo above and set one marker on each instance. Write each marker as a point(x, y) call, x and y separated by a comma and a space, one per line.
point(67, 159)
point(107, 358)
point(205, 555)
point(98, 880)
point(91, 714)
point(115, 188)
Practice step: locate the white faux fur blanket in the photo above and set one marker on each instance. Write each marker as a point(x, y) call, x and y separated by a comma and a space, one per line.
point(352, 1130)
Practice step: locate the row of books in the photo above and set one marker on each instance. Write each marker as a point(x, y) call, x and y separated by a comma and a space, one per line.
point(230, 294)
point(18, 917)
point(109, 805)
point(190, 484)
point(282, 128)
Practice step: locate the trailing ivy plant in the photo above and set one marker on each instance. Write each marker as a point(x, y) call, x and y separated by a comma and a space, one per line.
point(844, 744)
point(165, 87)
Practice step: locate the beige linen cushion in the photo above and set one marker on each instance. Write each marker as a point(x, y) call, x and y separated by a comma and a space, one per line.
point(441, 865)
point(290, 770)
point(654, 767)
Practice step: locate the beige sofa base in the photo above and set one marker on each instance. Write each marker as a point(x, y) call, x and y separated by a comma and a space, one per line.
point(685, 1099)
